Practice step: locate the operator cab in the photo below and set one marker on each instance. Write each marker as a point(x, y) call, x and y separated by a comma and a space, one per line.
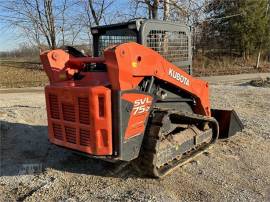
point(171, 40)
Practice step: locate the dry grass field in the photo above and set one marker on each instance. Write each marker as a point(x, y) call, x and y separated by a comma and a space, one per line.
point(20, 74)
point(212, 66)
point(28, 72)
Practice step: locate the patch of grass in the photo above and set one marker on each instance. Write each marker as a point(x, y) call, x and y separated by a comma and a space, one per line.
point(21, 63)
point(20, 74)
point(207, 66)
point(26, 72)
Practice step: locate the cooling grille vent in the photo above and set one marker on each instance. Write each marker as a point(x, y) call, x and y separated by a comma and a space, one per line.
point(67, 119)
point(57, 131)
point(84, 137)
point(84, 110)
point(54, 109)
point(70, 134)
point(68, 112)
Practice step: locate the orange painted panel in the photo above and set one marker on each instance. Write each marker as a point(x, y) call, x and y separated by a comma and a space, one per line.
point(74, 119)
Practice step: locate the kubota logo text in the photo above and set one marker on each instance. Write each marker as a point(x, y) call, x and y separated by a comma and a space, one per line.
point(142, 105)
point(177, 76)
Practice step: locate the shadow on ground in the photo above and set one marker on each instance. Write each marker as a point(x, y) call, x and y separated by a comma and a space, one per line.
point(25, 149)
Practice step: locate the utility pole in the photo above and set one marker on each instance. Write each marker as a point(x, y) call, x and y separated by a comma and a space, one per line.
point(166, 11)
point(260, 46)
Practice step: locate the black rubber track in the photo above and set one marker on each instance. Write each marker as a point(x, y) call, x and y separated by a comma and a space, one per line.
point(159, 125)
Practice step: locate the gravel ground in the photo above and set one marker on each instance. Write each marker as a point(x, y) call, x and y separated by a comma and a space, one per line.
point(236, 169)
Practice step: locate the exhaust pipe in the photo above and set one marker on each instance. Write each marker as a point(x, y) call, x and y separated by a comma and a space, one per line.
point(229, 122)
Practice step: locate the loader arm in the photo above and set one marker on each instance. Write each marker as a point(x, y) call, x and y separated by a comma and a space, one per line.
point(132, 62)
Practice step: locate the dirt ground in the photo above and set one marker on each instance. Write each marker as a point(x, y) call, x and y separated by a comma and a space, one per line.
point(236, 169)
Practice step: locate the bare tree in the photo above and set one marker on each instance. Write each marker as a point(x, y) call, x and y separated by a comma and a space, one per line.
point(95, 13)
point(42, 21)
point(152, 8)
point(34, 18)
point(188, 11)
point(61, 22)
point(98, 9)
point(49, 25)
point(62, 28)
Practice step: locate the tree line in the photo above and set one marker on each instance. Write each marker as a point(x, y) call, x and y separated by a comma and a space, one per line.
point(234, 27)
point(238, 27)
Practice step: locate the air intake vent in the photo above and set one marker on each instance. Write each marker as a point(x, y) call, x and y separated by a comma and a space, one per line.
point(57, 131)
point(70, 135)
point(54, 106)
point(84, 137)
point(68, 112)
point(83, 110)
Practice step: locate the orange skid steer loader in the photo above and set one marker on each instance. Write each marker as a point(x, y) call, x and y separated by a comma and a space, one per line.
point(134, 99)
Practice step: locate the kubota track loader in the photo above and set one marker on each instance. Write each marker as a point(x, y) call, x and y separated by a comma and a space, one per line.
point(133, 100)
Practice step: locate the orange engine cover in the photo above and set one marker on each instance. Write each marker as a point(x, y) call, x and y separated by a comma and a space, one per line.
point(79, 118)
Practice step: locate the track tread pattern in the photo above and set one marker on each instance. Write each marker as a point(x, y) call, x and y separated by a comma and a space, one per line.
point(156, 132)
